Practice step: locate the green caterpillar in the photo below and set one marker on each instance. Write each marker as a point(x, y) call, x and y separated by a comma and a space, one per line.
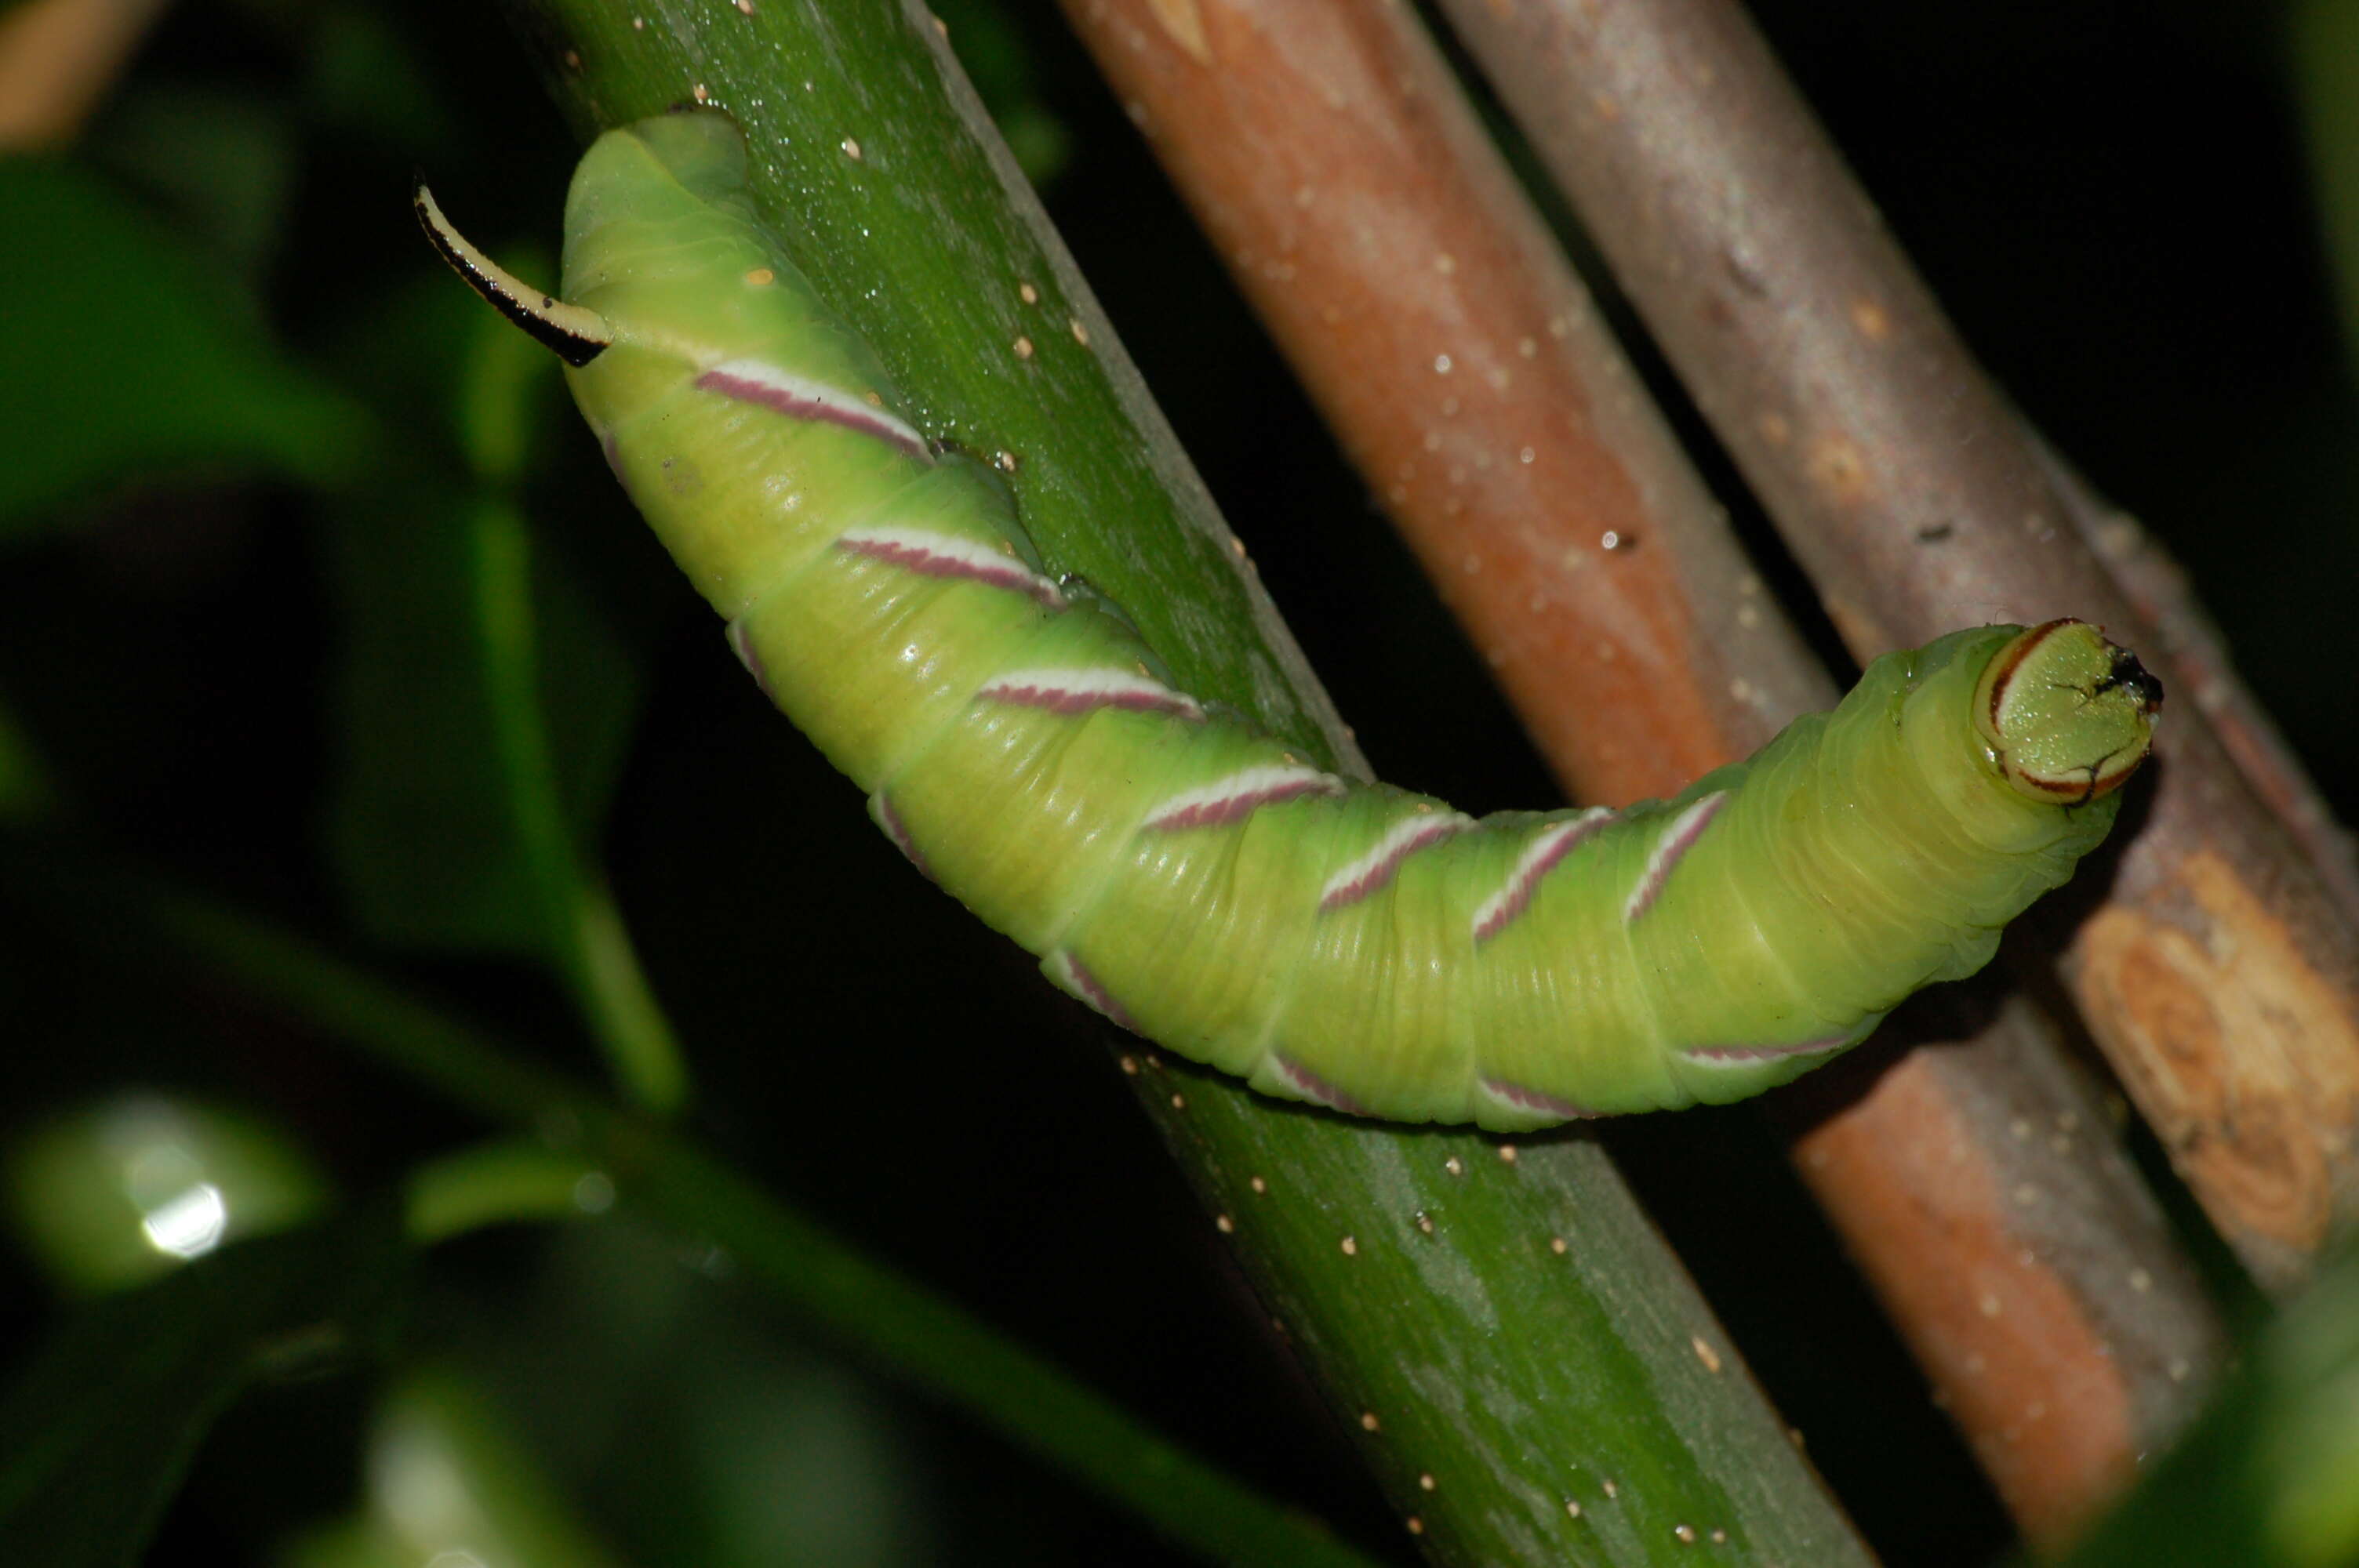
point(1354, 946)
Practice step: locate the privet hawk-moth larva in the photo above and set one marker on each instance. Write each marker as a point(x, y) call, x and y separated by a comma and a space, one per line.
point(1359, 946)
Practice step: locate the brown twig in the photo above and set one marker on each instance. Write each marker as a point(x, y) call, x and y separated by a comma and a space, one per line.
point(2218, 976)
point(1339, 170)
point(2191, 643)
point(2035, 1280)
point(57, 57)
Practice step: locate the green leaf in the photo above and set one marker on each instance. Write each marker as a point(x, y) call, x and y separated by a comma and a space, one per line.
point(129, 355)
point(486, 694)
point(222, 163)
point(423, 825)
point(2269, 1476)
point(97, 1430)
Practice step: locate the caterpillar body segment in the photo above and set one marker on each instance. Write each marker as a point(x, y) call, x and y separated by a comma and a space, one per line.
point(1359, 946)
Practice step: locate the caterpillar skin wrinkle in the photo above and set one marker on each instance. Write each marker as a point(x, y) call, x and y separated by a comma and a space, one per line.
point(1356, 945)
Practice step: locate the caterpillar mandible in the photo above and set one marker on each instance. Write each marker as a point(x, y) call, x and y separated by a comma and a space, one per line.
point(1359, 946)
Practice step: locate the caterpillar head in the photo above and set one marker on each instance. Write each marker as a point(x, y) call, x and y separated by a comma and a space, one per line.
point(2068, 715)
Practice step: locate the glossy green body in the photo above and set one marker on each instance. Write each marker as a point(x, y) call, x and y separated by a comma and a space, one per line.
point(1356, 945)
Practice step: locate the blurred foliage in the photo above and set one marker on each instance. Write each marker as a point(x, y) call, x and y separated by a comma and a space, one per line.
point(2269, 1479)
point(116, 1194)
point(448, 1484)
point(98, 1430)
point(256, 450)
point(428, 854)
point(130, 355)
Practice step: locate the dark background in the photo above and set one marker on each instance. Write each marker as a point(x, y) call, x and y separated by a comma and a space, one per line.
point(2111, 200)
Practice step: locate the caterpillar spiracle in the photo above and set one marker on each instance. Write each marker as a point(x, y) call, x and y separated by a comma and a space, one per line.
point(1356, 945)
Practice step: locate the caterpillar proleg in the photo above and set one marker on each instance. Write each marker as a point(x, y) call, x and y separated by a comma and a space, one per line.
point(1359, 946)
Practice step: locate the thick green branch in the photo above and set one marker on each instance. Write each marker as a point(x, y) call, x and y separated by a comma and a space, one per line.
point(1518, 1351)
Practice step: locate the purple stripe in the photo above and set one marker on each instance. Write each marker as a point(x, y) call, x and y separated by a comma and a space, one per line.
point(1737, 1055)
point(740, 645)
point(1096, 995)
point(1676, 843)
point(1384, 871)
point(1313, 1087)
point(890, 820)
point(929, 563)
point(1235, 807)
point(1528, 882)
point(1532, 1099)
point(778, 400)
point(1070, 700)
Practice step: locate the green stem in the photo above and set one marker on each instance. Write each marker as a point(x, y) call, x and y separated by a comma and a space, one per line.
point(589, 941)
point(501, 1183)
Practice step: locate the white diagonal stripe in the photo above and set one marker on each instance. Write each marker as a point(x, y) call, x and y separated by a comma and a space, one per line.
point(1073, 691)
point(1224, 800)
point(758, 381)
point(1677, 840)
point(1540, 858)
point(1375, 869)
point(924, 551)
